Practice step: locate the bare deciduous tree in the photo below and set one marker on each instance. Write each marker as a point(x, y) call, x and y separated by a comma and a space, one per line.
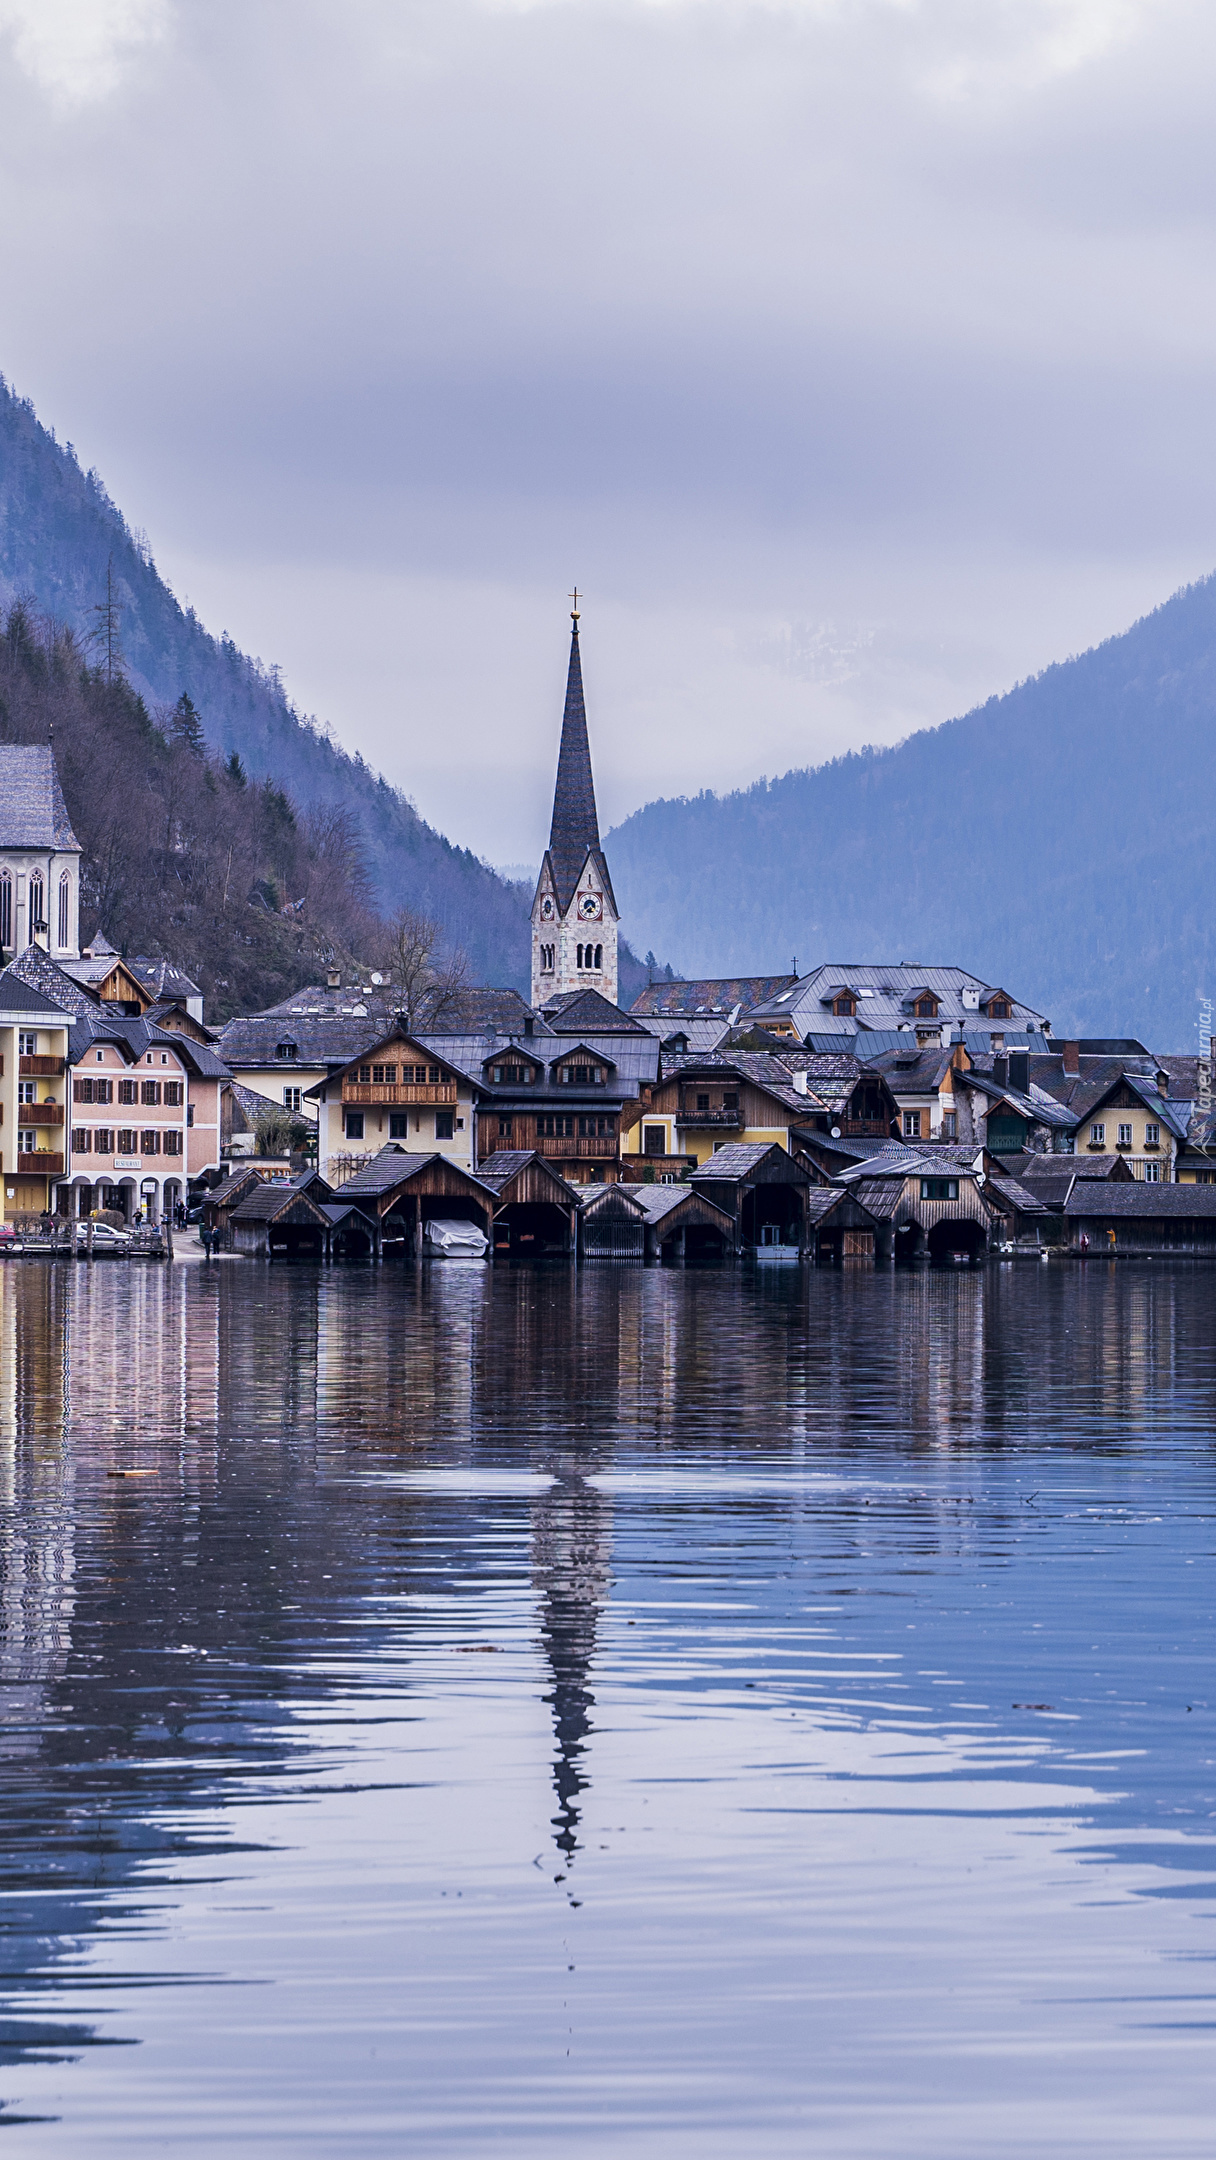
point(424, 980)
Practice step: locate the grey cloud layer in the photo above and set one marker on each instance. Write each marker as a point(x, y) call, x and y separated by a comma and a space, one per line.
point(770, 309)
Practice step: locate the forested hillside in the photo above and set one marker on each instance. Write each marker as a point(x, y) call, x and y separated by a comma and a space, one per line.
point(59, 536)
point(185, 857)
point(1058, 840)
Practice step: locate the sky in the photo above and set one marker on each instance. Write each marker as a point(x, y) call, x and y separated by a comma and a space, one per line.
point(854, 357)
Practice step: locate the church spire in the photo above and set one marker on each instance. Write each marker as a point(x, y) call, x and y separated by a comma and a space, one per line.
point(575, 828)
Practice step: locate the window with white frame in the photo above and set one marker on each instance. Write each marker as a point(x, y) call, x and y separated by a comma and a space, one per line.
point(6, 908)
point(1152, 1135)
point(1097, 1136)
point(1125, 1136)
point(1152, 1173)
point(65, 907)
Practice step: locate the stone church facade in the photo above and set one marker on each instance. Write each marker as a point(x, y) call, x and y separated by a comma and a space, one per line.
point(574, 913)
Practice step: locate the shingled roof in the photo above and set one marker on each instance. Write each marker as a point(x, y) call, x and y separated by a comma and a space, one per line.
point(33, 813)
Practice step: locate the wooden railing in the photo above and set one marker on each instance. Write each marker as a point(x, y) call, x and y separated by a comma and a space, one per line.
point(367, 1094)
point(40, 1068)
point(37, 1164)
point(727, 1120)
point(40, 1113)
point(573, 1148)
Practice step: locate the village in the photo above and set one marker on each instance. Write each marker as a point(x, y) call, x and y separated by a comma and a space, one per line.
point(908, 1111)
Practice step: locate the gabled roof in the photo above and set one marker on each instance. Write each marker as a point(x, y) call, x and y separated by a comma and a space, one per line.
point(823, 1200)
point(396, 1034)
point(659, 1201)
point(1018, 1196)
point(695, 1035)
point(1140, 1199)
point(735, 1163)
point(160, 978)
point(609, 1197)
point(326, 1039)
point(506, 1164)
point(19, 996)
point(726, 996)
point(394, 1165)
point(33, 813)
point(880, 1197)
point(562, 1053)
point(897, 1160)
point(883, 991)
point(264, 1201)
point(587, 1012)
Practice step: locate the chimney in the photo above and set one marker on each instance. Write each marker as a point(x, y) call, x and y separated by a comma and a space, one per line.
point(529, 1025)
point(799, 1080)
point(1019, 1069)
point(334, 979)
point(1000, 1071)
point(1071, 1052)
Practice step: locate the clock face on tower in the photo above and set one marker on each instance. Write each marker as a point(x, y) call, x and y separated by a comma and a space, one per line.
point(589, 908)
point(546, 909)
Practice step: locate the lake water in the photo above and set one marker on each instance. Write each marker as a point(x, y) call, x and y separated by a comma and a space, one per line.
point(462, 1711)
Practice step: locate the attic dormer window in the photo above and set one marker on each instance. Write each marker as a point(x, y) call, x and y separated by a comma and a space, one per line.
point(844, 1005)
point(999, 1008)
point(286, 1050)
point(926, 1007)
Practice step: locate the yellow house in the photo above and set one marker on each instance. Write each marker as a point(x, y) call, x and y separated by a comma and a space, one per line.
point(750, 1098)
point(396, 1090)
point(33, 1098)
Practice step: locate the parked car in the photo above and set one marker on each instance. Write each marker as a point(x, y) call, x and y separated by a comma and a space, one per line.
point(106, 1239)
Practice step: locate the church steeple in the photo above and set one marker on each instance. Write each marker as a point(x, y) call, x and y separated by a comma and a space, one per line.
point(575, 829)
point(574, 918)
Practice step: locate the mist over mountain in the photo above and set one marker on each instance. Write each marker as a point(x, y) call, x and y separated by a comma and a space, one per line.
point(59, 531)
point(1057, 840)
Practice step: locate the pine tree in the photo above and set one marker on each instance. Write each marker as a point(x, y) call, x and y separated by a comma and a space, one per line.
point(106, 634)
point(235, 770)
point(187, 726)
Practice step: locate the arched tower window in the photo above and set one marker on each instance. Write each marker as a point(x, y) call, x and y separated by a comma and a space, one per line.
point(37, 902)
point(65, 907)
point(6, 909)
point(599, 956)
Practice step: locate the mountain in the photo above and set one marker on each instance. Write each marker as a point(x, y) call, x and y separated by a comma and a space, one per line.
point(60, 532)
point(1058, 841)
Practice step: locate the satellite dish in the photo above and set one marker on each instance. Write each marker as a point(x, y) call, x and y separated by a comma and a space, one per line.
point(835, 1132)
point(377, 978)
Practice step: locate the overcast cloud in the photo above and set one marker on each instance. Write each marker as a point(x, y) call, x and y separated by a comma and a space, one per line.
point(856, 358)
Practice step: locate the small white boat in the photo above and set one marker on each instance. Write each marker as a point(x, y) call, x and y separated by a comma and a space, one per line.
point(454, 1240)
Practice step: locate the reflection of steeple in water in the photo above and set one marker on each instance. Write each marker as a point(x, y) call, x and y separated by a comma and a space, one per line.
point(572, 1539)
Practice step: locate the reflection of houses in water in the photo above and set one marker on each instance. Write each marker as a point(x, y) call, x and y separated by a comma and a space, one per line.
point(37, 1527)
point(396, 1352)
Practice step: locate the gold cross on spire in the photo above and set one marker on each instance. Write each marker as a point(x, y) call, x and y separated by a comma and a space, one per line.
point(574, 611)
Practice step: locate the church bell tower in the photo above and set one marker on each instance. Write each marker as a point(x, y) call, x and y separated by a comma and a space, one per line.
point(574, 915)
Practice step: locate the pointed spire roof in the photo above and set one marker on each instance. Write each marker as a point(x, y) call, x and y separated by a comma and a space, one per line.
point(575, 831)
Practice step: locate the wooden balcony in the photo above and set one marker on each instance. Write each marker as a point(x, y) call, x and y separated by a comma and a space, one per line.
point(361, 1095)
point(721, 1120)
point(40, 1068)
point(40, 1113)
point(863, 1128)
point(572, 1149)
point(39, 1164)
